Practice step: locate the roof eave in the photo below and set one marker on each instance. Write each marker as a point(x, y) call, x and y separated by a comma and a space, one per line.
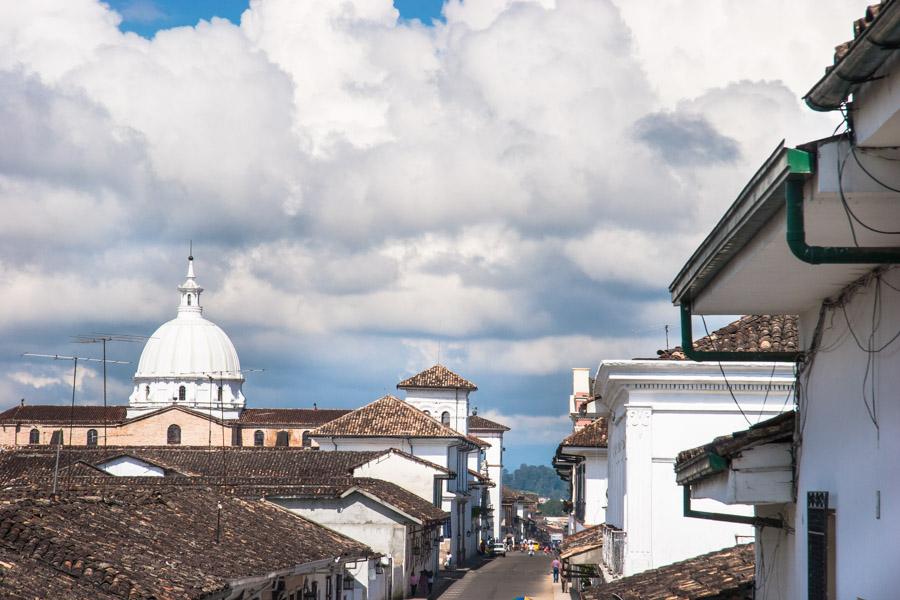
point(861, 63)
point(756, 204)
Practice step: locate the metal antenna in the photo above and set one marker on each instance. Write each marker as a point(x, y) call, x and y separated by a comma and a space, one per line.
point(102, 338)
point(75, 360)
point(667, 335)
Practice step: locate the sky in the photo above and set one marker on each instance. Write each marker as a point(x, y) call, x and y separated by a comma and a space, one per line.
point(507, 186)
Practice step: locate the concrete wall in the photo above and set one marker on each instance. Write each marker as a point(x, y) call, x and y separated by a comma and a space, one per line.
point(658, 409)
point(370, 523)
point(844, 454)
point(409, 474)
point(436, 401)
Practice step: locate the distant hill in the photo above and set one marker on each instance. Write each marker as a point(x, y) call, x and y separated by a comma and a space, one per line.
point(540, 479)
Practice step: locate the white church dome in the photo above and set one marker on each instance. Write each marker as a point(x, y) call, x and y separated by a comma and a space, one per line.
point(189, 362)
point(189, 346)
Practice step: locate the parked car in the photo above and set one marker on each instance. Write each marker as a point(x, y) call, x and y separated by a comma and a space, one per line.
point(498, 549)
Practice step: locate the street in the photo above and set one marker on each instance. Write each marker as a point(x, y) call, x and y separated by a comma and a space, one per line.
point(506, 578)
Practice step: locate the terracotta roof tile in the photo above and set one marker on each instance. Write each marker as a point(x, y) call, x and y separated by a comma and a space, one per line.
point(723, 575)
point(437, 376)
point(592, 435)
point(143, 543)
point(582, 541)
point(386, 417)
point(753, 333)
point(309, 417)
point(60, 413)
point(777, 429)
point(479, 423)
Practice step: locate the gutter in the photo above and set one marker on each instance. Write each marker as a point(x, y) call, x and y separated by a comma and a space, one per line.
point(867, 54)
point(725, 517)
point(817, 255)
point(687, 345)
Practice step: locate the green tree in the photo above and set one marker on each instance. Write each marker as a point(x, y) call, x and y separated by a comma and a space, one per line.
point(540, 479)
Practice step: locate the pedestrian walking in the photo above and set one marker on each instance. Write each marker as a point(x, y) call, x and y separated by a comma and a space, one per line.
point(555, 565)
point(429, 576)
point(413, 582)
point(447, 560)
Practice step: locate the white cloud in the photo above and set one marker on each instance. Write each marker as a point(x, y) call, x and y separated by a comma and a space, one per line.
point(530, 430)
point(510, 182)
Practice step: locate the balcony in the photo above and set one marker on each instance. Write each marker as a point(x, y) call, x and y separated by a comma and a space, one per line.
point(613, 550)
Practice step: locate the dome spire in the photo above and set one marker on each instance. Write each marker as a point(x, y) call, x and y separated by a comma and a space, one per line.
point(190, 291)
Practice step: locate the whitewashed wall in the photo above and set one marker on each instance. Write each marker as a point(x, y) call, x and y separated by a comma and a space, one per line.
point(659, 408)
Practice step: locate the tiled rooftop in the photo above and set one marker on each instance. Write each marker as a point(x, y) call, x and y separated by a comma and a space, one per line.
point(777, 429)
point(753, 333)
point(53, 413)
point(437, 376)
point(160, 543)
point(479, 423)
point(590, 538)
point(723, 575)
point(592, 435)
point(310, 417)
point(386, 417)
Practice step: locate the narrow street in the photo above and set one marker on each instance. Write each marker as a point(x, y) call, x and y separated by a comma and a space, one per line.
point(507, 578)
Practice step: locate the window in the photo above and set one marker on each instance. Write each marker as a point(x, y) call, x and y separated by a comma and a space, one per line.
point(282, 439)
point(237, 436)
point(820, 556)
point(445, 419)
point(219, 394)
point(34, 436)
point(307, 441)
point(259, 438)
point(329, 590)
point(173, 434)
point(56, 438)
point(189, 299)
point(182, 393)
point(427, 412)
point(92, 437)
point(146, 392)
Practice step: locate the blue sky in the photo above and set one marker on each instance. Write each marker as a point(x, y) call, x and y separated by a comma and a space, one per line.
point(146, 17)
point(511, 188)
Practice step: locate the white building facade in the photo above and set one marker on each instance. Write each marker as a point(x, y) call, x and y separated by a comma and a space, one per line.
point(655, 409)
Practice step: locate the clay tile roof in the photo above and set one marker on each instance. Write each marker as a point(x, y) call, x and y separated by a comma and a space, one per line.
point(590, 538)
point(752, 333)
point(304, 417)
point(56, 414)
point(479, 423)
point(24, 578)
point(437, 376)
point(777, 429)
point(386, 417)
point(24, 465)
point(402, 499)
point(159, 543)
point(478, 441)
point(592, 435)
point(723, 575)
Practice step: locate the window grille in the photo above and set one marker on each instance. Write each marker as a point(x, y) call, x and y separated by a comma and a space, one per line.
point(92, 437)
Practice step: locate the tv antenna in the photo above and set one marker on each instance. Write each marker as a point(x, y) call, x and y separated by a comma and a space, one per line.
point(103, 338)
point(74, 360)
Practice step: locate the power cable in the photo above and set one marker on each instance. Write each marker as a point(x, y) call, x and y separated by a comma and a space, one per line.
point(766, 397)
point(722, 371)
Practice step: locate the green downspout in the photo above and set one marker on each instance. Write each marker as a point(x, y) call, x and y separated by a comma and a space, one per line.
point(687, 345)
point(818, 255)
point(711, 516)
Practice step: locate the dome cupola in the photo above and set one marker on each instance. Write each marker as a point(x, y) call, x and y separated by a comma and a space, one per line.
point(188, 361)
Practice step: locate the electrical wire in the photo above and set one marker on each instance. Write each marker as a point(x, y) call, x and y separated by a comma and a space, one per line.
point(766, 397)
point(867, 172)
point(722, 371)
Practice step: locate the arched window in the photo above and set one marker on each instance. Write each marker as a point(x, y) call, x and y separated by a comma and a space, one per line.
point(189, 299)
point(173, 434)
point(92, 437)
point(219, 394)
point(146, 392)
point(34, 436)
point(427, 412)
point(182, 393)
point(307, 441)
point(445, 419)
point(282, 439)
point(259, 438)
point(56, 438)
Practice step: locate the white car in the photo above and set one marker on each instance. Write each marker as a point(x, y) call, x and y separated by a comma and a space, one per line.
point(498, 549)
